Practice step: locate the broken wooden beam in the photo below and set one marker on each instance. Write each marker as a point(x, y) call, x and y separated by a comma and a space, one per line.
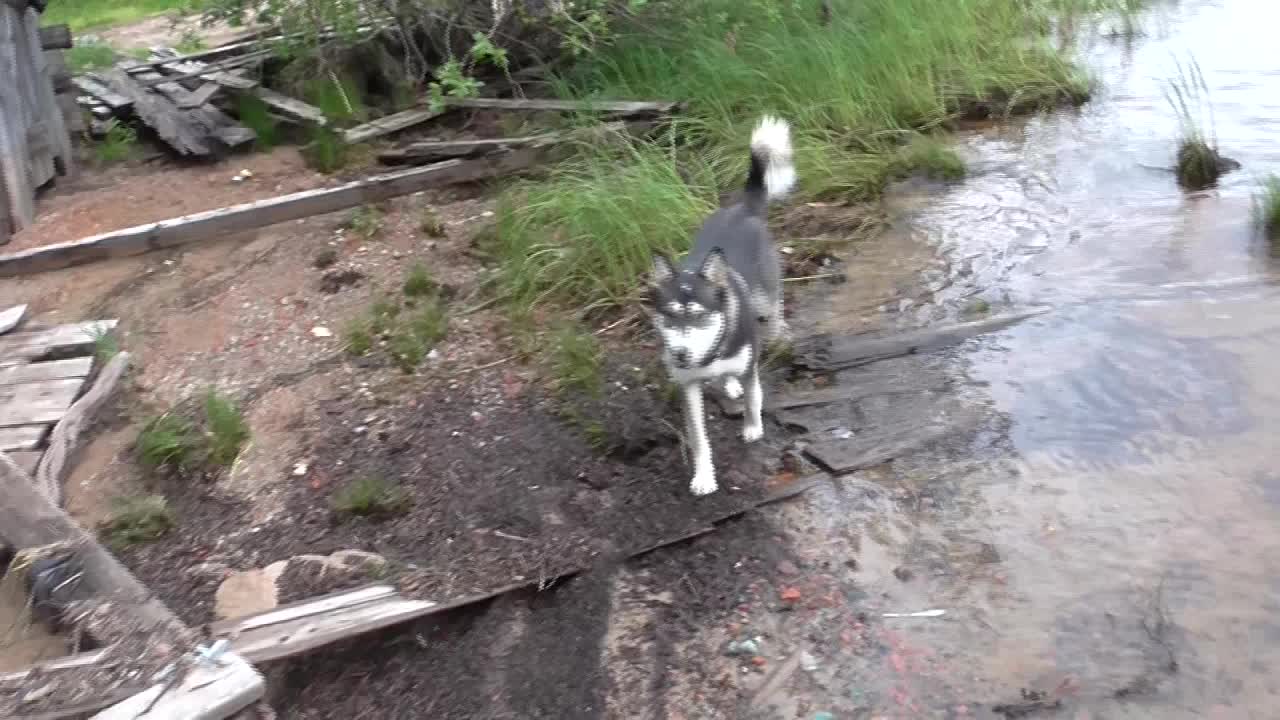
point(827, 354)
point(389, 124)
point(65, 438)
point(55, 37)
point(211, 690)
point(10, 317)
point(91, 86)
point(215, 72)
point(187, 132)
point(22, 438)
point(30, 344)
point(614, 107)
point(420, 153)
point(248, 216)
point(226, 133)
point(875, 447)
point(291, 108)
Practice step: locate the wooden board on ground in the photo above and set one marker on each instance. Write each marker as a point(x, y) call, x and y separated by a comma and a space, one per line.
point(291, 108)
point(200, 96)
point(211, 691)
point(824, 353)
point(28, 460)
point(249, 216)
point(55, 37)
point(10, 318)
point(187, 132)
point(91, 86)
point(39, 402)
point(78, 367)
point(420, 153)
point(22, 437)
point(224, 131)
point(65, 438)
point(389, 124)
point(864, 450)
point(29, 344)
point(614, 107)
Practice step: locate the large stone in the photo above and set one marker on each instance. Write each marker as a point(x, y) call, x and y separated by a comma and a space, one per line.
point(249, 591)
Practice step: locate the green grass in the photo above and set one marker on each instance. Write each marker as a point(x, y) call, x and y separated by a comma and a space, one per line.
point(87, 14)
point(225, 427)
point(574, 357)
point(419, 283)
point(430, 224)
point(930, 156)
point(167, 441)
point(138, 519)
point(371, 497)
point(106, 344)
point(254, 114)
point(365, 222)
point(1267, 207)
point(92, 56)
point(117, 145)
point(852, 90)
point(1198, 164)
point(326, 152)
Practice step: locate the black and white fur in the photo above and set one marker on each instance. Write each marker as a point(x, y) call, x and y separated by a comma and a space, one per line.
point(716, 310)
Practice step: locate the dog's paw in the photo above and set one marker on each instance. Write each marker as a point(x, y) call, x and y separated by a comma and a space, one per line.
point(703, 484)
point(752, 432)
point(732, 388)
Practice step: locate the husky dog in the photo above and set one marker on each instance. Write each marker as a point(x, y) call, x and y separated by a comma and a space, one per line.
point(716, 311)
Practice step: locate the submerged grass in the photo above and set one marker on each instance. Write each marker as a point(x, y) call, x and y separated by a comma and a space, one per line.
point(1267, 207)
point(1198, 164)
point(852, 89)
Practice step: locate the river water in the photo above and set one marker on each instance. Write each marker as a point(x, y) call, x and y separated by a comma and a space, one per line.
point(1109, 534)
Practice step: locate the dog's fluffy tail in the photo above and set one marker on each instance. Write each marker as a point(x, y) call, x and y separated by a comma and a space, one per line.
point(772, 173)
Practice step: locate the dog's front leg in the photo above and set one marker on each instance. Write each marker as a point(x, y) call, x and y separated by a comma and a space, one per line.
point(752, 422)
point(704, 473)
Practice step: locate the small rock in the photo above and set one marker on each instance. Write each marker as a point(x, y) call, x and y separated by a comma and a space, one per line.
point(300, 469)
point(903, 573)
point(325, 258)
point(759, 662)
point(791, 595)
point(248, 592)
point(786, 567)
point(334, 280)
point(808, 662)
point(743, 647)
point(321, 331)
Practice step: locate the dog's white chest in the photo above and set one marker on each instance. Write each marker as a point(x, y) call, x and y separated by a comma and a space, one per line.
point(735, 365)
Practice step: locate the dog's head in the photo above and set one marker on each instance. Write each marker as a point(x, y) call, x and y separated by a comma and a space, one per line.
point(690, 309)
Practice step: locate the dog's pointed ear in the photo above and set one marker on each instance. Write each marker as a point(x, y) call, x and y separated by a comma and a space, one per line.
point(715, 269)
point(663, 269)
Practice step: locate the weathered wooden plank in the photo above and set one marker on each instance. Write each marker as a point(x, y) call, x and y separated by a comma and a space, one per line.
point(200, 95)
point(55, 37)
point(248, 216)
point(22, 437)
point(824, 353)
point(72, 114)
point(51, 370)
point(292, 108)
point(876, 447)
point(300, 636)
point(207, 692)
point(177, 128)
point(205, 118)
point(180, 70)
point(40, 402)
point(59, 139)
point(59, 72)
point(344, 599)
point(618, 107)
point(65, 439)
point(91, 86)
point(32, 86)
point(28, 460)
point(389, 124)
point(14, 174)
point(28, 344)
point(10, 317)
point(28, 520)
point(424, 152)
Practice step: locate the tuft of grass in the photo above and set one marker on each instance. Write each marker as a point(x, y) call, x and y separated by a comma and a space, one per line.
point(1267, 207)
point(226, 429)
point(931, 156)
point(575, 361)
point(254, 114)
point(430, 223)
point(138, 519)
point(419, 283)
point(326, 152)
point(106, 344)
point(167, 441)
point(117, 145)
point(372, 497)
point(584, 236)
point(424, 327)
point(1198, 164)
point(190, 42)
point(365, 222)
point(90, 56)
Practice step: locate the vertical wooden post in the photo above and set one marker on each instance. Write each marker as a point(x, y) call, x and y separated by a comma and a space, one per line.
point(18, 193)
point(55, 130)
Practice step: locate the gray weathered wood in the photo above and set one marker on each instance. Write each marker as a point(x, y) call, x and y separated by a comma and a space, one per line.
point(29, 344)
point(27, 460)
point(65, 439)
point(617, 107)
point(203, 119)
point(425, 152)
point(206, 692)
point(389, 124)
point(15, 173)
point(28, 520)
point(39, 402)
point(213, 72)
point(59, 140)
point(200, 96)
point(873, 447)
point(55, 37)
point(78, 367)
point(824, 353)
point(186, 133)
point(22, 437)
point(10, 317)
point(249, 216)
point(291, 108)
point(91, 86)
